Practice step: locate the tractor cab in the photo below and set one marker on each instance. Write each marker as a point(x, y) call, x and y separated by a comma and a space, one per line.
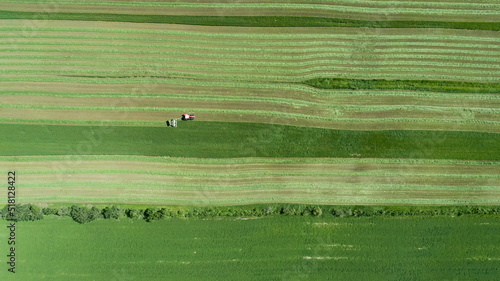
point(187, 117)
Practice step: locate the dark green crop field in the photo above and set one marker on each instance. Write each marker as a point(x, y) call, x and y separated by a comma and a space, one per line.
point(223, 140)
point(250, 21)
point(271, 248)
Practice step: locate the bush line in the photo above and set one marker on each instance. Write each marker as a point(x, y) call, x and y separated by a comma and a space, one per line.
point(250, 21)
point(83, 214)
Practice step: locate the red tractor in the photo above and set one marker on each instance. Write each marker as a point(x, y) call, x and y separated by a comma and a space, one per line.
point(187, 117)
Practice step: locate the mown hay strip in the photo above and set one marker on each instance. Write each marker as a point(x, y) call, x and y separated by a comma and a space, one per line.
point(252, 160)
point(262, 174)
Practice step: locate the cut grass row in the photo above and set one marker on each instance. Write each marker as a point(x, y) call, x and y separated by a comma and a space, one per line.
point(60, 118)
point(264, 174)
point(244, 140)
point(290, 56)
point(199, 191)
point(228, 60)
point(342, 113)
point(257, 102)
point(206, 162)
point(250, 21)
point(342, 6)
point(178, 33)
point(299, 67)
point(323, 98)
point(208, 79)
point(48, 35)
point(421, 198)
point(455, 4)
point(256, 106)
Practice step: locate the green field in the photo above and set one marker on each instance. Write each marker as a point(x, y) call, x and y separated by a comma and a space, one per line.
point(254, 21)
point(230, 140)
point(390, 104)
point(273, 248)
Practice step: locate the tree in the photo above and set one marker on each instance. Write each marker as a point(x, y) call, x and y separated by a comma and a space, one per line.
point(149, 214)
point(79, 214)
point(111, 213)
point(49, 211)
point(94, 213)
point(316, 211)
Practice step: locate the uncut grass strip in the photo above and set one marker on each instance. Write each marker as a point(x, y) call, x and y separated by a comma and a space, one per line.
point(81, 122)
point(252, 21)
point(368, 108)
point(260, 138)
point(334, 83)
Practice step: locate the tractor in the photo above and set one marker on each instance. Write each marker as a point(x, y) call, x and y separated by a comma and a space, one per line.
point(185, 117)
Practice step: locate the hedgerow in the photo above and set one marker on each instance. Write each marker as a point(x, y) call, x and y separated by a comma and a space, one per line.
point(83, 214)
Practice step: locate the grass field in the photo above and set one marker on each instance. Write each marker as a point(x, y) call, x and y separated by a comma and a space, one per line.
point(272, 248)
point(336, 102)
point(344, 80)
point(169, 180)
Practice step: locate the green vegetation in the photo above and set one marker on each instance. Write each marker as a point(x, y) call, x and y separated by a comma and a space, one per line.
point(192, 209)
point(270, 248)
point(83, 214)
point(250, 21)
point(244, 140)
point(411, 85)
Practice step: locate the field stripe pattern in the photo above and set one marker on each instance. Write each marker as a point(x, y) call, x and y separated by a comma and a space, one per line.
point(250, 180)
point(361, 77)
